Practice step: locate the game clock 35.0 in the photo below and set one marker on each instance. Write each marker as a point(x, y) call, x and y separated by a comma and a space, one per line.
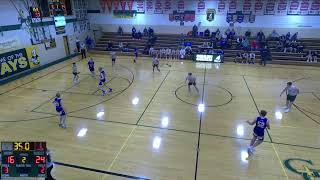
point(23, 159)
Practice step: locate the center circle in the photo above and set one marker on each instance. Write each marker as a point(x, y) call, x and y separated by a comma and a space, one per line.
point(214, 96)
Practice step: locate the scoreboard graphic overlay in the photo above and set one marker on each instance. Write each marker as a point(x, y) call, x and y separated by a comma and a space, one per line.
point(23, 159)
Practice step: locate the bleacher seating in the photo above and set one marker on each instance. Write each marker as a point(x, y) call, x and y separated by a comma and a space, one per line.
point(173, 41)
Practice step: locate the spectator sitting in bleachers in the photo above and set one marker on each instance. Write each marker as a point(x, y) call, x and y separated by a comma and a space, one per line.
point(121, 46)
point(315, 56)
point(288, 36)
point(195, 31)
point(254, 45)
point(245, 57)
point(309, 56)
point(207, 33)
point(218, 36)
point(300, 48)
point(223, 43)
point(182, 39)
point(232, 34)
point(239, 42)
point(245, 44)
point(280, 46)
point(150, 31)
point(126, 47)
point(138, 35)
point(213, 42)
point(294, 46)
point(120, 31)
point(294, 37)
point(252, 57)
point(238, 57)
point(248, 34)
point(109, 46)
point(287, 46)
point(145, 32)
point(227, 32)
point(260, 36)
point(274, 36)
point(133, 32)
point(151, 51)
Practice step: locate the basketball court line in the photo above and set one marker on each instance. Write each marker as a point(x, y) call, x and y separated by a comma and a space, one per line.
point(100, 171)
point(153, 97)
point(274, 149)
point(300, 110)
point(200, 124)
point(314, 94)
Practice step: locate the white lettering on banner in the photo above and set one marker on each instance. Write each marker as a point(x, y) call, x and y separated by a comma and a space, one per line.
point(258, 7)
point(247, 6)
point(304, 7)
point(180, 6)
point(232, 6)
point(201, 6)
point(270, 7)
point(167, 6)
point(221, 7)
point(315, 7)
point(282, 7)
point(140, 6)
point(149, 6)
point(11, 44)
point(158, 7)
point(294, 7)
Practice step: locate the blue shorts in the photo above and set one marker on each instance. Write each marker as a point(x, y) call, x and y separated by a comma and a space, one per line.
point(291, 98)
point(91, 69)
point(61, 111)
point(102, 81)
point(258, 134)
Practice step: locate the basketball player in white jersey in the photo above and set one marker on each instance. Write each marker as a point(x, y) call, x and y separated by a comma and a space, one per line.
point(75, 73)
point(292, 92)
point(155, 63)
point(191, 81)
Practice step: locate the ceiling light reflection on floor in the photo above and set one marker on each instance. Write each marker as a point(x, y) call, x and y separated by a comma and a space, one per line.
point(164, 122)
point(240, 130)
point(278, 115)
point(82, 132)
point(135, 100)
point(201, 108)
point(156, 142)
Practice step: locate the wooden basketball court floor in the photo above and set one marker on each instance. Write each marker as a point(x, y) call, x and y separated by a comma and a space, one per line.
point(149, 127)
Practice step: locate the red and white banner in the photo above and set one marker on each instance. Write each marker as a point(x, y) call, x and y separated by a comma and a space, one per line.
point(315, 7)
point(116, 4)
point(294, 7)
point(222, 7)
point(201, 7)
point(149, 6)
point(304, 7)
point(258, 7)
point(158, 7)
point(140, 6)
point(180, 5)
point(167, 6)
point(270, 8)
point(130, 4)
point(123, 4)
point(232, 6)
point(282, 7)
point(247, 7)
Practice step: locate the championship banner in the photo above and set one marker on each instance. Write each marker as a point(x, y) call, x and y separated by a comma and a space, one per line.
point(183, 16)
point(123, 4)
point(201, 7)
point(116, 5)
point(293, 7)
point(221, 7)
point(232, 6)
point(304, 7)
point(315, 7)
point(258, 7)
point(270, 7)
point(247, 7)
point(130, 4)
point(167, 6)
point(158, 7)
point(19, 60)
point(180, 5)
point(149, 6)
point(282, 7)
point(140, 6)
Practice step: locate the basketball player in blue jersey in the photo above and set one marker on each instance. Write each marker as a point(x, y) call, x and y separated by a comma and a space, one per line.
point(91, 67)
point(61, 110)
point(102, 83)
point(261, 123)
point(135, 55)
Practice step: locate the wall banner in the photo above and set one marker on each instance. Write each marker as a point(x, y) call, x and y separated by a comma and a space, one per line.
point(221, 7)
point(201, 7)
point(140, 6)
point(232, 6)
point(304, 7)
point(294, 7)
point(258, 7)
point(247, 7)
point(282, 7)
point(18, 61)
point(315, 7)
point(270, 8)
point(9, 44)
